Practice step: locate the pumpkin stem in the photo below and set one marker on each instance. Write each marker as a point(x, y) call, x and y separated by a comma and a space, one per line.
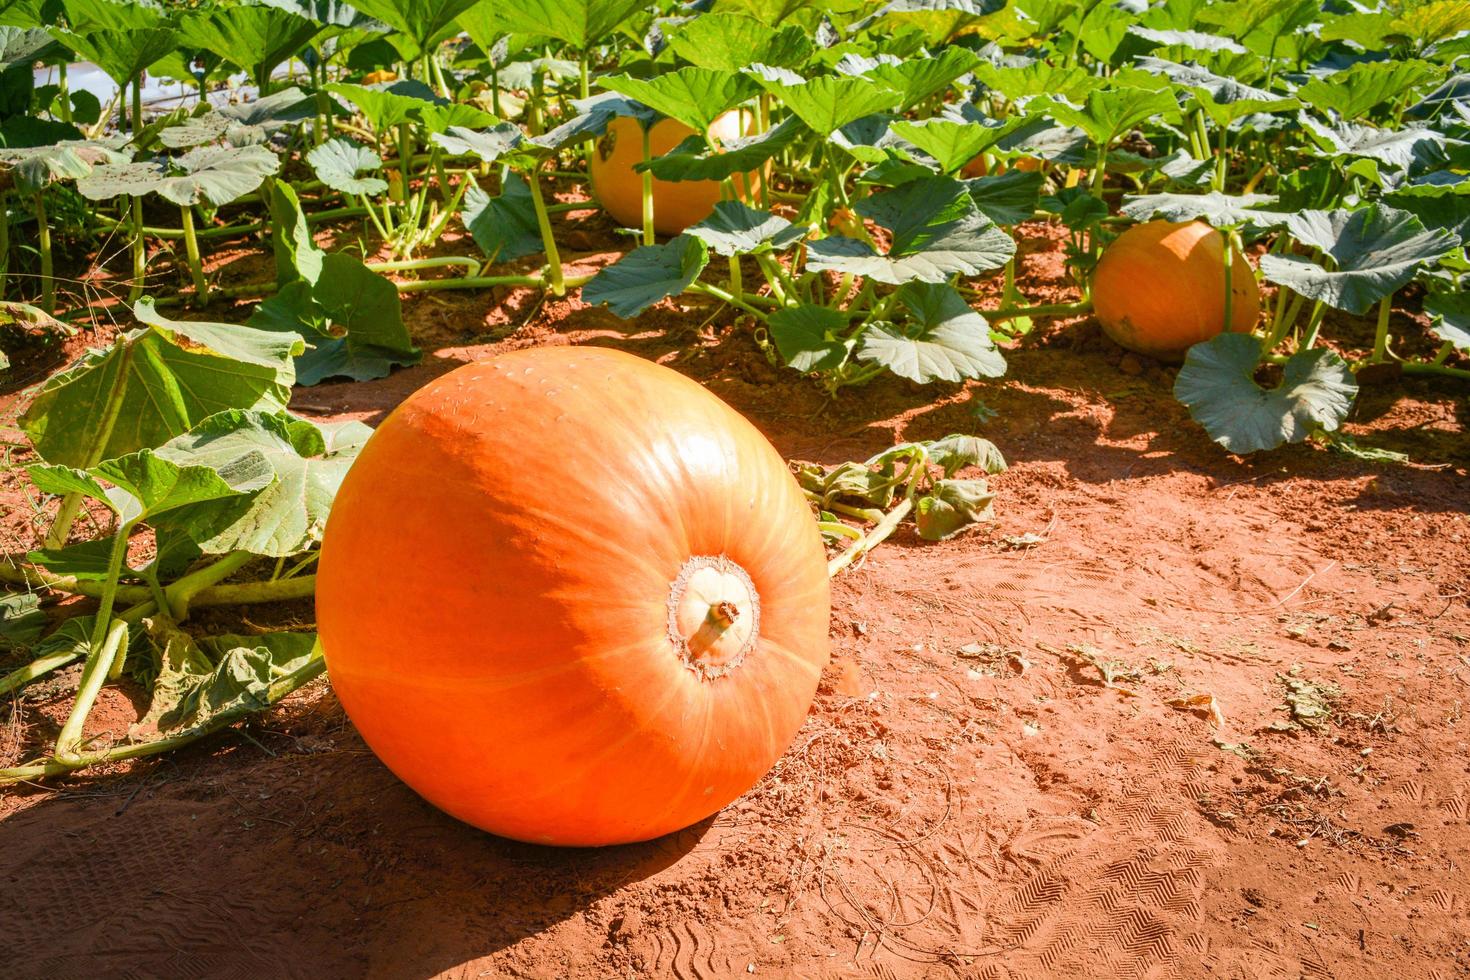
point(724, 613)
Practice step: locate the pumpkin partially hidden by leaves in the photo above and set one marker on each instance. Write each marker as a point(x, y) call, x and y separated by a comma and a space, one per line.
point(1160, 288)
point(677, 204)
point(571, 597)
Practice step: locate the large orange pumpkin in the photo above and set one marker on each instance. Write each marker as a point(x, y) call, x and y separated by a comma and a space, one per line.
point(571, 597)
point(677, 204)
point(1160, 288)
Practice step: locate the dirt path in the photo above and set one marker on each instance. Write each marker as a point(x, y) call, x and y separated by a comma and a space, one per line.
point(1077, 758)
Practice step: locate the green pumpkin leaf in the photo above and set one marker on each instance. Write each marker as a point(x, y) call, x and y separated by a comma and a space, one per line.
point(955, 452)
point(1376, 250)
point(936, 232)
point(22, 621)
point(1017, 82)
point(646, 275)
point(143, 487)
point(273, 112)
point(1196, 40)
point(954, 142)
point(1399, 149)
point(205, 683)
point(809, 336)
point(829, 102)
point(504, 227)
point(351, 317)
point(386, 105)
point(296, 252)
point(122, 39)
point(423, 24)
point(337, 163)
point(737, 229)
point(1009, 198)
point(694, 160)
point(1217, 384)
point(952, 506)
point(695, 97)
point(937, 20)
point(171, 374)
point(252, 36)
point(308, 462)
point(731, 41)
point(216, 174)
point(917, 79)
point(1215, 209)
point(89, 561)
point(26, 46)
point(488, 146)
point(1109, 113)
point(580, 23)
point(1355, 92)
point(40, 166)
point(1450, 318)
point(944, 340)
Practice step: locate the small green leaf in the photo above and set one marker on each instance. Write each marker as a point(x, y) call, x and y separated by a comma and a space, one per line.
point(738, 229)
point(86, 560)
point(1217, 384)
point(954, 452)
point(488, 146)
point(1400, 149)
point(22, 620)
point(809, 337)
point(337, 163)
point(1109, 113)
point(504, 227)
point(1009, 198)
point(916, 79)
point(646, 275)
point(945, 340)
point(1450, 317)
point(952, 506)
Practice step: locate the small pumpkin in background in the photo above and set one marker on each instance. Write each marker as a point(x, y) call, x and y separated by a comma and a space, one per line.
point(677, 204)
point(571, 597)
point(1159, 289)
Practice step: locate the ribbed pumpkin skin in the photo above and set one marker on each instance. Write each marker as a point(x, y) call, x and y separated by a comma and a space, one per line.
point(677, 204)
point(1160, 288)
point(493, 592)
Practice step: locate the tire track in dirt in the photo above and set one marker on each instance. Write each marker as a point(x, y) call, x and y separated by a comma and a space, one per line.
point(1120, 901)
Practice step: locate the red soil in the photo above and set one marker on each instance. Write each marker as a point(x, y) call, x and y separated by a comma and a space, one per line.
point(1070, 759)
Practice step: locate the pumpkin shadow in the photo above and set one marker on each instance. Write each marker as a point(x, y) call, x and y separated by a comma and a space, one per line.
point(309, 865)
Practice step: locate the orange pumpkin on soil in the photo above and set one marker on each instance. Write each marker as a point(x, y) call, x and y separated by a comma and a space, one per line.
point(1160, 288)
point(677, 204)
point(571, 597)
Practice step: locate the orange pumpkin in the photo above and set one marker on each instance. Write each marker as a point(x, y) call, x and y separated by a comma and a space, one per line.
point(677, 204)
point(571, 597)
point(1160, 288)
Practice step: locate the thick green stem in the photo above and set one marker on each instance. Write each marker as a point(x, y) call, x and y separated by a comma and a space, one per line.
point(191, 250)
point(582, 67)
point(94, 674)
point(873, 538)
point(279, 689)
point(140, 253)
point(1422, 367)
point(438, 262)
point(1380, 334)
point(43, 243)
point(548, 241)
point(115, 557)
point(647, 176)
point(720, 294)
point(4, 241)
point(1227, 248)
point(1047, 309)
point(63, 91)
point(137, 104)
point(39, 667)
point(1314, 326)
point(181, 593)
